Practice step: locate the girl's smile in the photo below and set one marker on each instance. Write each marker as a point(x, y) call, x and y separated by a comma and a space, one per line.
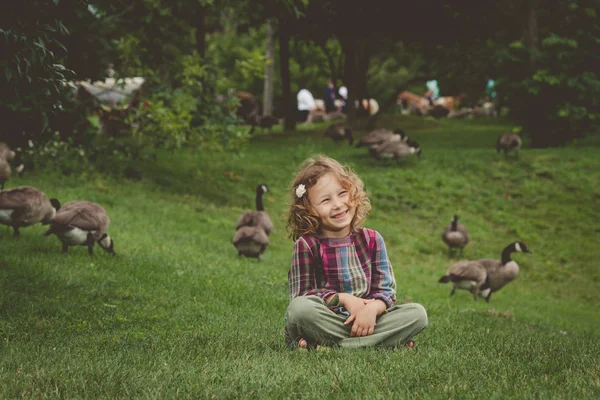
point(331, 203)
point(340, 215)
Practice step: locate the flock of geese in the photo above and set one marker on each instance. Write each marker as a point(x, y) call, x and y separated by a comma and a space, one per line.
point(480, 277)
point(77, 223)
point(386, 144)
point(84, 223)
point(382, 143)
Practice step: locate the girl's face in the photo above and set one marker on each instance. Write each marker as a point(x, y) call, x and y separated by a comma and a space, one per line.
point(331, 203)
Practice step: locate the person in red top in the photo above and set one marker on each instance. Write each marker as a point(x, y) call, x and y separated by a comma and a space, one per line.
point(341, 283)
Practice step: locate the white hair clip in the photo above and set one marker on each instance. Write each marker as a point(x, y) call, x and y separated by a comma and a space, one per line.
point(300, 190)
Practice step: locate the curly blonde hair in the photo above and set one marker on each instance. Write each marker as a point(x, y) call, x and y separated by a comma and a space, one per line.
point(302, 218)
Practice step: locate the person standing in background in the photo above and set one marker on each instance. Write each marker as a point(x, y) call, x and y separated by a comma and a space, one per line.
point(433, 91)
point(343, 92)
point(306, 103)
point(329, 98)
point(490, 89)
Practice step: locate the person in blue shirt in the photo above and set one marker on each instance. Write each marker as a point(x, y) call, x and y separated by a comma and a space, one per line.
point(329, 98)
point(433, 91)
point(490, 89)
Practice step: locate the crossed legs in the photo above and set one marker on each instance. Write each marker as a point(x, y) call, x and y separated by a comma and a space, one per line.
point(308, 318)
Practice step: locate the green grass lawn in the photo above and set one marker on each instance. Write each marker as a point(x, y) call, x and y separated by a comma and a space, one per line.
point(177, 314)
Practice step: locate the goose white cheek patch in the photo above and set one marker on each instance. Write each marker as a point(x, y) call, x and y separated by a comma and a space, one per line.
point(518, 247)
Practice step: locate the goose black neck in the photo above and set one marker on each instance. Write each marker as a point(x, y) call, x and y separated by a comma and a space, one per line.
point(259, 203)
point(454, 225)
point(506, 254)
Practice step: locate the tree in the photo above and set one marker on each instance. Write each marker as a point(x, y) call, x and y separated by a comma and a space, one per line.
point(269, 72)
point(33, 71)
point(551, 80)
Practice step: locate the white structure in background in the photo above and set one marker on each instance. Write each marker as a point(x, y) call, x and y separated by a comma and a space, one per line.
point(111, 91)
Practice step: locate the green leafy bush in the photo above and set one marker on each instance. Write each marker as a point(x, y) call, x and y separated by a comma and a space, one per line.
point(559, 100)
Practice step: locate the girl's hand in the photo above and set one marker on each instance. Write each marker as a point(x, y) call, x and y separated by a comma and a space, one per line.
point(363, 322)
point(351, 303)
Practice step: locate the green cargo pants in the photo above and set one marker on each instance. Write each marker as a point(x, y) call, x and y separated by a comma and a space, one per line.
point(308, 318)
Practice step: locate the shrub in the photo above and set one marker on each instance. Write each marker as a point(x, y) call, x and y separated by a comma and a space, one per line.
point(560, 99)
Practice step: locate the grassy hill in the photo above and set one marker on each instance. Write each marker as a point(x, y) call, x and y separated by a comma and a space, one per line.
point(177, 314)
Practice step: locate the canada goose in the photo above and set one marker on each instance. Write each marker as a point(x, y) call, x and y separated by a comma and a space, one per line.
point(82, 223)
point(253, 240)
point(6, 154)
point(485, 276)
point(24, 206)
point(509, 142)
point(267, 122)
point(397, 150)
point(455, 235)
point(248, 108)
point(5, 172)
point(339, 132)
point(258, 217)
point(380, 136)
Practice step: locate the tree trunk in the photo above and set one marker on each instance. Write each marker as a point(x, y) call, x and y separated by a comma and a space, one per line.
point(348, 48)
point(269, 72)
point(289, 109)
point(355, 76)
point(362, 70)
point(200, 30)
point(533, 38)
point(334, 76)
point(536, 115)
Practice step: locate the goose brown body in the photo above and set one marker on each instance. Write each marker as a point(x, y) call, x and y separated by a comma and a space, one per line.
point(5, 172)
point(82, 223)
point(485, 276)
point(24, 206)
point(455, 235)
point(339, 132)
point(6, 154)
point(379, 136)
point(251, 241)
point(397, 150)
point(252, 229)
point(508, 142)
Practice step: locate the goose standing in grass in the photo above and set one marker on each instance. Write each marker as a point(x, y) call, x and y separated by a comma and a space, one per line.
point(24, 206)
point(455, 236)
point(380, 136)
point(5, 172)
point(253, 228)
point(267, 122)
point(485, 276)
point(6, 154)
point(397, 150)
point(509, 142)
point(339, 132)
point(82, 223)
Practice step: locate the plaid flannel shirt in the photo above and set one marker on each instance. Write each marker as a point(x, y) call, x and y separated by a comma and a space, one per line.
point(324, 266)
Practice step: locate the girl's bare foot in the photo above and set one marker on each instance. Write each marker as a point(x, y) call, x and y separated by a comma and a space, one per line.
point(303, 344)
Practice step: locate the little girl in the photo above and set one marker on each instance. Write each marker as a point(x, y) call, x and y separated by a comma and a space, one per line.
point(341, 283)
